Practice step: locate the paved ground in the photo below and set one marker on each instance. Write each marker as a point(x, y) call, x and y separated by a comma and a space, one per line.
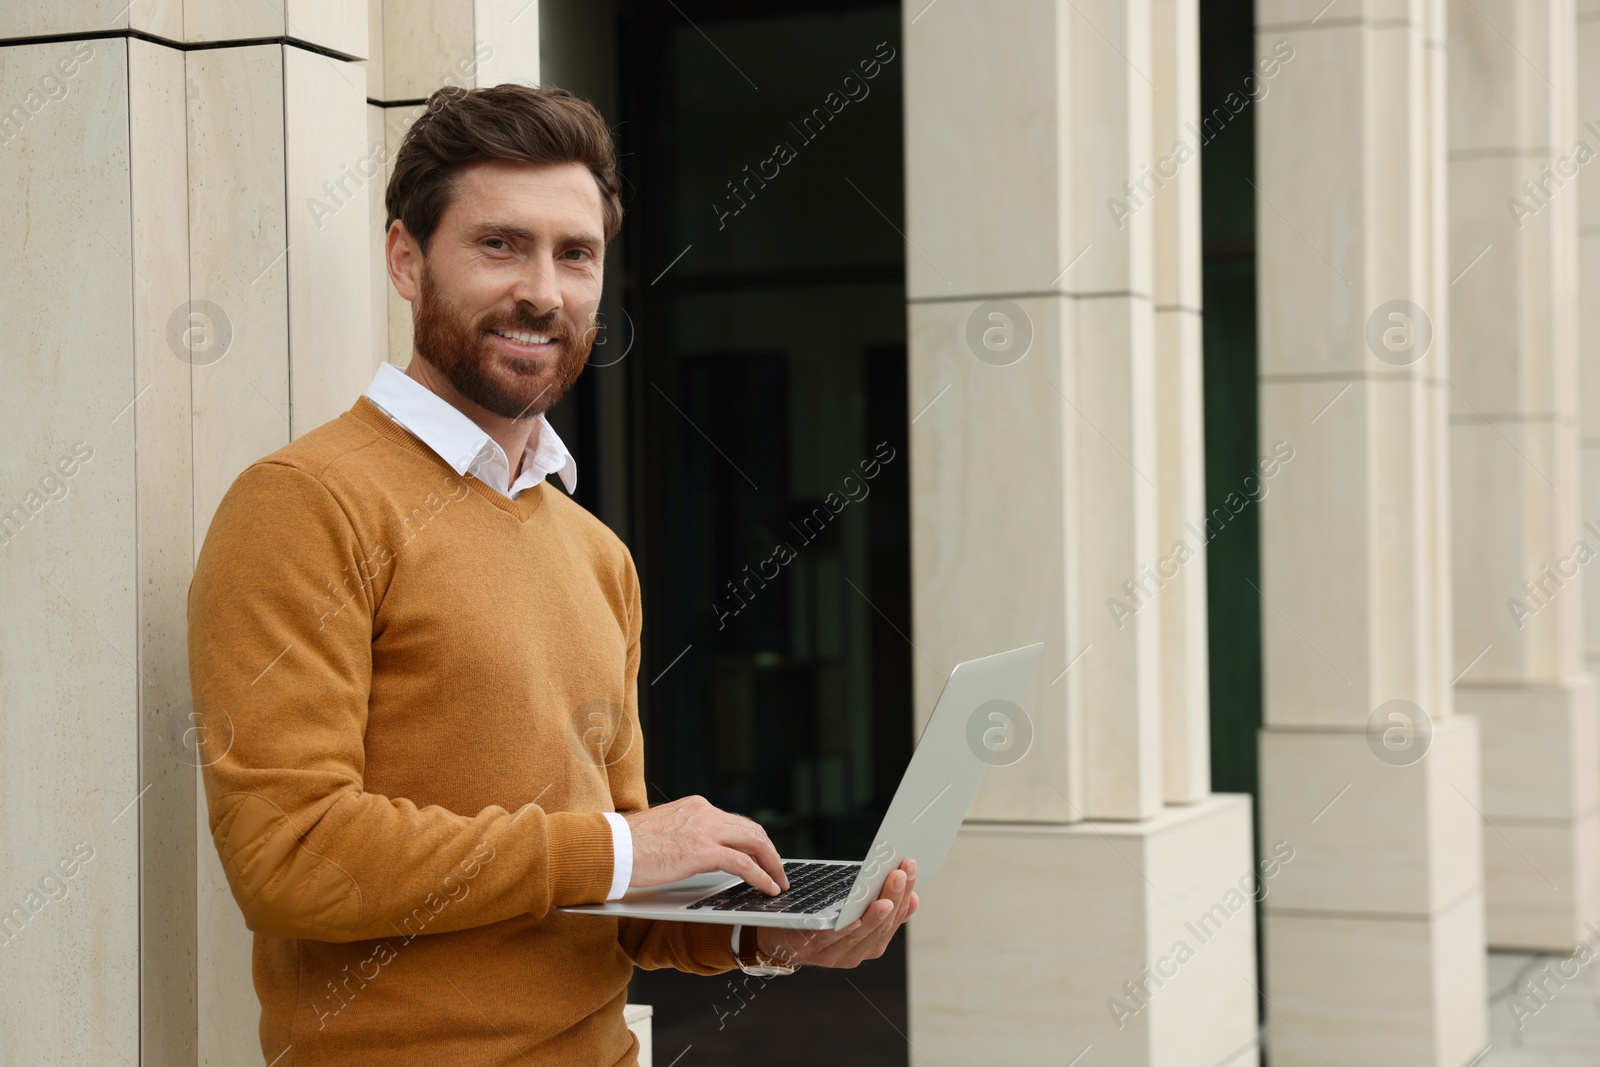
point(1559, 1026)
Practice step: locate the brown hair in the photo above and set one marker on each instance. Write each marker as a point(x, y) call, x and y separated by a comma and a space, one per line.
point(512, 122)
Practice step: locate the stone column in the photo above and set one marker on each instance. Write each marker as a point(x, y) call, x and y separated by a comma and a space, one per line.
point(1053, 269)
point(181, 307)
point(1374, 950)
point(1519, 538)
point(1587, 37)
point(97, 916)
point(1181, 520)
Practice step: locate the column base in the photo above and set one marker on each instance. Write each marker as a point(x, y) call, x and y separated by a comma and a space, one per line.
point(1541, 806)
point(1037, 941)
point(1348, 988)
point(1373, 933)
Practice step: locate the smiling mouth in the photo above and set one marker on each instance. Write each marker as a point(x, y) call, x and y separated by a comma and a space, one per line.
point(524, 337)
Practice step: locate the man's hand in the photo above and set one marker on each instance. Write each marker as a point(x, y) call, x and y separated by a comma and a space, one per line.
point(690, 836)
point(864, 939)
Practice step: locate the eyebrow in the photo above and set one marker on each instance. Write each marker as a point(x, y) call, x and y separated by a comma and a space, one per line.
point(525, 234)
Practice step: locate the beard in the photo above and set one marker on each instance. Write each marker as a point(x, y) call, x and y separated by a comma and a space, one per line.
point(463, 352)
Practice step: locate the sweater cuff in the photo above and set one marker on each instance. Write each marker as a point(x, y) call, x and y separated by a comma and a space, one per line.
point(710, 945)
point(622, 854)
point(581, 857)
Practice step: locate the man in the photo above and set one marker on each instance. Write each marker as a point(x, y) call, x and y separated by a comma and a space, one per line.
point(417, 663)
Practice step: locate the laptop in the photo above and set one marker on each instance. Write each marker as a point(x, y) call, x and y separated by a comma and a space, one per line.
point(940, 782)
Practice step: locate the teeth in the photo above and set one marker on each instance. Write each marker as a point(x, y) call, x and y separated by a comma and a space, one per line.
point(523, 337)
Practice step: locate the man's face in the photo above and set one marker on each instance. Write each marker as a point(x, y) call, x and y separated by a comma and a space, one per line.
point(511, 283)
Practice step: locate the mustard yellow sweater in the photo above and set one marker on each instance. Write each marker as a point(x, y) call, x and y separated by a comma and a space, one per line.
point(418, 697)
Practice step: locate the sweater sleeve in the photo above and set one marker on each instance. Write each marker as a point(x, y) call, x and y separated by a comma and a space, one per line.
point(699, 948)
point(280, 665)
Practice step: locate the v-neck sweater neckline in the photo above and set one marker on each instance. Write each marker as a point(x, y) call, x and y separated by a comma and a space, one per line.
point(522, 508)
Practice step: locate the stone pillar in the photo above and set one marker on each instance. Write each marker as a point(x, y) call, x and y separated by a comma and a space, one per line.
point(1053, 268)
point(187, 182)
point(1519, 538)
point(97, 917)
point(1373, 935)
point(1587, 37)
point(1181, 519)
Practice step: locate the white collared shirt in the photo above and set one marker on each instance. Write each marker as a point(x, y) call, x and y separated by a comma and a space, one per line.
point(464, 445)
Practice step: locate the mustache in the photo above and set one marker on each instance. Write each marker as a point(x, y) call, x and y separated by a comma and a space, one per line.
point(551, 323)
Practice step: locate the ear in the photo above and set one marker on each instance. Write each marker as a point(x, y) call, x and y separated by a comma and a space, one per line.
point(403, 257)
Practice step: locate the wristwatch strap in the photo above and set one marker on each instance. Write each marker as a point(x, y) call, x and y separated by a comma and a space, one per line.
point(752, 961)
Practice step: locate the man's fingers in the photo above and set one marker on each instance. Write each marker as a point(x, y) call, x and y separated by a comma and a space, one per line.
point(904, 911)
point(868, 936)
point(880, 921)
point(748, 836)
point(741, 864)
point(872, 921)
point(734, 834)
point(894, 888)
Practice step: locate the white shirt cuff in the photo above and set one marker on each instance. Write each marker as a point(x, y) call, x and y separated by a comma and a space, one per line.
point(736, 942)
point(622, 852)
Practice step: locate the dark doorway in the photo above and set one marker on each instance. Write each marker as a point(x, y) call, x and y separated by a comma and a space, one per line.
point(1233, 561)
point(1227, 57)
point(764, 391)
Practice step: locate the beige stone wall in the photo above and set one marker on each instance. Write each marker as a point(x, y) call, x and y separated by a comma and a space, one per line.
point(1586, 36)
point(1514, 163)
point(96, 545)
point(206, 309)
point(1054, 288)
point(1373, 936)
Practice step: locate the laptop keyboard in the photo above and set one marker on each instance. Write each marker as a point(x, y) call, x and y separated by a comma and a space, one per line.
point(813, 887)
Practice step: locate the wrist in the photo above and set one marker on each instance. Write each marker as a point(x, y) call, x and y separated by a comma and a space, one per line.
point(764, 951)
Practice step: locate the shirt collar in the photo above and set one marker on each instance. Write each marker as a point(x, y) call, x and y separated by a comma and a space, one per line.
point(462, 443)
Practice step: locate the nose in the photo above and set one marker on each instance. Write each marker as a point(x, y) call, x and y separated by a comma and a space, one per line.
point(536, 286)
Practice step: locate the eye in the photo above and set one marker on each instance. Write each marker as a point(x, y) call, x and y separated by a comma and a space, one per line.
point(577, 255)
point(499, 240)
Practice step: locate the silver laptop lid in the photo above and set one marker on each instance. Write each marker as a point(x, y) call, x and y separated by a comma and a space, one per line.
point(945, 771)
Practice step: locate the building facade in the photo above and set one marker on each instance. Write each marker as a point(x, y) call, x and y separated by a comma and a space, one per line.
point(198, 219)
